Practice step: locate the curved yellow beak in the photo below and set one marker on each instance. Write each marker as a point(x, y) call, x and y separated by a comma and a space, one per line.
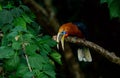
point(60, 38)
point(62, 41)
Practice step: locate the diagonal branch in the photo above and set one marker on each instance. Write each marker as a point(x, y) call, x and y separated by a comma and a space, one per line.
point(109, 55)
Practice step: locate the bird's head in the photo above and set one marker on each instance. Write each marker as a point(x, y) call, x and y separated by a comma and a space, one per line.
point(65, 30)
point(60, 38)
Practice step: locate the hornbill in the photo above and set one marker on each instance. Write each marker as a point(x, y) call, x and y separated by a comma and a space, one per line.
point(77, 30)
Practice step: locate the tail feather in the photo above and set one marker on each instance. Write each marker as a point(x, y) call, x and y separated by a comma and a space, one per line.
point(80, 54)
point(87, 54)
point(84, 55)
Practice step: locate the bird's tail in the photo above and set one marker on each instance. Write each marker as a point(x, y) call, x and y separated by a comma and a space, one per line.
point(84, 55)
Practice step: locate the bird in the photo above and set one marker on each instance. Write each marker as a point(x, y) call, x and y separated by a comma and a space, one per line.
point(74, 29)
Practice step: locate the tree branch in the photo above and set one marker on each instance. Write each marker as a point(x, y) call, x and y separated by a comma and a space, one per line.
point(109, 55)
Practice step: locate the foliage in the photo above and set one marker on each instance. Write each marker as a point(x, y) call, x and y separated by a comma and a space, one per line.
point(114, 7)
point(23, 53)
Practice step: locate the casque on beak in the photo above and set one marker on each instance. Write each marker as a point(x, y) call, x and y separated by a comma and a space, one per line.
point(60, 38)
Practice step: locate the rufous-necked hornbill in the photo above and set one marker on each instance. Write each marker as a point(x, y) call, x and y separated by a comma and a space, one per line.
point(70, 29)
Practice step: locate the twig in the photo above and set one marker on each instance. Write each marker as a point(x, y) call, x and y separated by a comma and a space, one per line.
point(109, 55)
point(26, 56)
point(28, 63)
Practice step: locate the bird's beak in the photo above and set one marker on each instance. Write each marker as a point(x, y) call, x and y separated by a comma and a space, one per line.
point(62, 41)
point(60, 38)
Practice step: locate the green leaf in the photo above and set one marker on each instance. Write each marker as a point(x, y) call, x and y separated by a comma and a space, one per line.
point(108, 1)
point(4, 41)
point(56, 57)
point(22, 69)
point(6, 52)
point(32, 15)
point(49, 70)
point(0, 7)
point(16, 12)
point(31, 49)
point(26, 18)
point(20, 22)
point(12, 63)
point(28, 75)
point(19, 29)
point(12, 75)
point(8, 18)
point(49, 41)
point(47, 48)
point(34, 28)
point(50, 73)
point(9, 6)
point(12, 35)
point(25, 8)
point(6, 28)
point(28, 37)
point(43, 52)
point(36, 61)
point(40, 74)
point(16, 45)
point(114, 7)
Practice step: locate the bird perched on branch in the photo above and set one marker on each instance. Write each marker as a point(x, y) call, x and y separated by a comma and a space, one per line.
point(70, 29)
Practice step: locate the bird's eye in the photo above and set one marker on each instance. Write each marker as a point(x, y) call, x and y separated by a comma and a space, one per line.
point(63, 32)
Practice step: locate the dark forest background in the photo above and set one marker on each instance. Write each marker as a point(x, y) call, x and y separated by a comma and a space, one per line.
point(102, 19)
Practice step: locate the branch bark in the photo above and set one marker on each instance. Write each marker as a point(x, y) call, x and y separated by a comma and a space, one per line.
point(109, 55)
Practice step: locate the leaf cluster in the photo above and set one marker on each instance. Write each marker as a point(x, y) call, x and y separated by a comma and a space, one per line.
point(22, 48)
point(114, 7)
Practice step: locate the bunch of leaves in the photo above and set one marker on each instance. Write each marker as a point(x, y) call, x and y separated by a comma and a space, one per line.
point(114, 7)
point(23, 53)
